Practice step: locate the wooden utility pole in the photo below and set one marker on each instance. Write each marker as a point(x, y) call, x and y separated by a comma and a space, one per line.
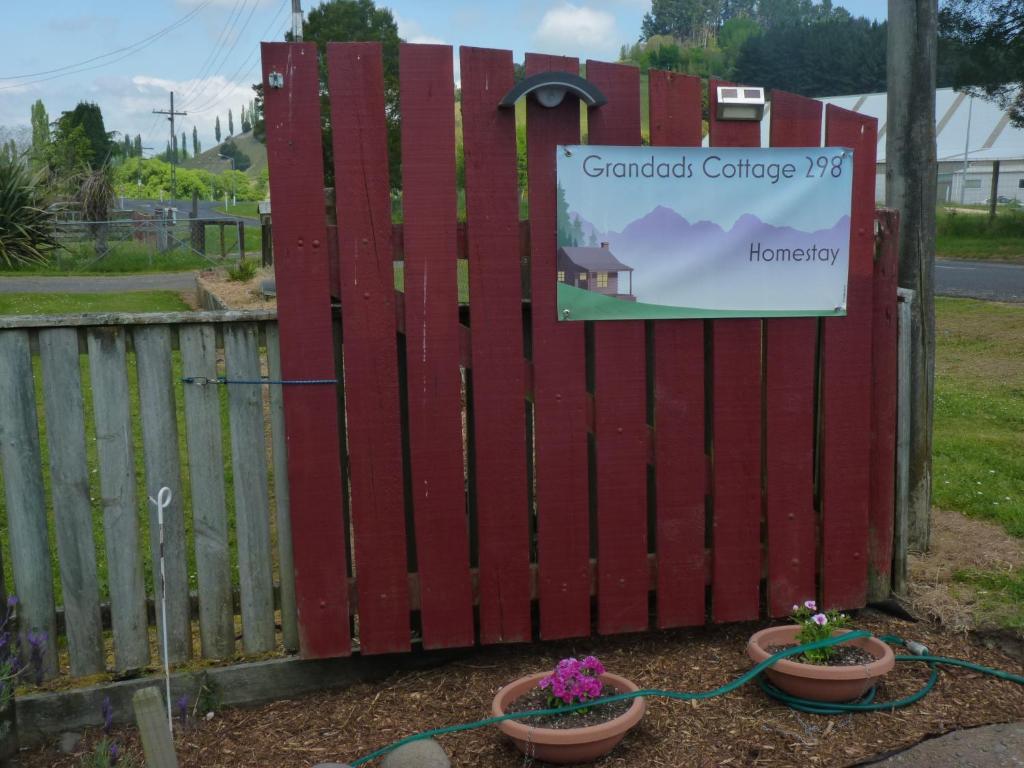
point(910, 176)
point(297, 21)
point(174, 161)
point(993, 196)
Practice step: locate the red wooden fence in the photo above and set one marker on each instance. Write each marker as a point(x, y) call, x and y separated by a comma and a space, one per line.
point(479, 461)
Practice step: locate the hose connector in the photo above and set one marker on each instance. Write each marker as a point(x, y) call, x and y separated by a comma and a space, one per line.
point(916, 648)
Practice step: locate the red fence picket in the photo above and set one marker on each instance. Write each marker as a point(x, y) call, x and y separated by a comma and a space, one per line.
point(791, 348)
point(432, 345)
point(680, 465)
point(576, 442)
point(356, 78)
point(736, 433)
point(559, 383)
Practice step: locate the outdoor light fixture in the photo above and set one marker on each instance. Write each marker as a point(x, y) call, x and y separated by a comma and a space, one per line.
point(549, 89)
point(275, 79)
point(740, 102)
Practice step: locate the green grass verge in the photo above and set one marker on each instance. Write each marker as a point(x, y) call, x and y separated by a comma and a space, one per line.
point(122, 258)
point(248, 209)
point(999, 595)
point(1008, 249)
point(73, 303)
point(979, 411)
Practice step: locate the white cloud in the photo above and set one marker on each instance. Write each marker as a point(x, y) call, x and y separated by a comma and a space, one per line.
point(577, 29)
point(412, 31)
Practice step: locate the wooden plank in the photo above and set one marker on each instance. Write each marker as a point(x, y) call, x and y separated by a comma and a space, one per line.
point(163, 469)
point(620, 404)
point(884, 362)
point(736, 427)
point(154, 728)
point(72, 507)
point(846, 383)
point(372, 397)
point(206, 475)
point(135, 318)
point(559, 382)
point(278, 437)
point(249, 470)
point(492, 208)
point(108, 375)
point(790, 373)
point(680, 474)
point(432, 344)
point(23, 489)
point(295, 160)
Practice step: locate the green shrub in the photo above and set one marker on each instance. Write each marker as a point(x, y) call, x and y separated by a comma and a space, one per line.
point(243, 272)
point(26, 229)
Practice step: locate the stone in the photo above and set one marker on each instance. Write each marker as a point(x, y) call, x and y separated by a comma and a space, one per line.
point(425, 753)
point(69, 742)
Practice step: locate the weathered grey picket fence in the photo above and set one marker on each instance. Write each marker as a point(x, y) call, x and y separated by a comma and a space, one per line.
point(230, 505)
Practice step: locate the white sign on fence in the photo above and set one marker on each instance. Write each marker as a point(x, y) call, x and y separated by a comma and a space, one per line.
point(672, 232)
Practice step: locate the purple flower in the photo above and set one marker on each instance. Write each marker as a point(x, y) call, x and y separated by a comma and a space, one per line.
point(182, 705)
point(810, 605)
point(12, 600)
point(820, 619)
point(115, 754)
point(107, 710)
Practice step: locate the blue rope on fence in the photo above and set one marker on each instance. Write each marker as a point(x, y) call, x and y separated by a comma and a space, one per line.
point(202, 381)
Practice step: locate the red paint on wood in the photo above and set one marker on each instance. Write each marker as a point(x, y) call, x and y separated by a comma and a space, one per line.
point(356, 82)
point(791, 348)
point(495, 289)
point(620, 399)
point(846, 384)
point(679, 457)
point(736, 427)
point(884, 364)
point(559, 377)
point(307, 348)
point(432, 344)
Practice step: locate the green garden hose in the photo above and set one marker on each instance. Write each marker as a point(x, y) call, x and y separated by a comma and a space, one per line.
point(866, 704)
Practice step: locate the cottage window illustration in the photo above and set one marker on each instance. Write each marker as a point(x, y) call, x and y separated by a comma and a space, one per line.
point(595, 268)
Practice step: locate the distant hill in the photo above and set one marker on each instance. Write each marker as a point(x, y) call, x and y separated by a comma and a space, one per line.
point(208, 160)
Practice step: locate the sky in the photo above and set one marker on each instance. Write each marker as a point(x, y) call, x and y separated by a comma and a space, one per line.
point(207, 51)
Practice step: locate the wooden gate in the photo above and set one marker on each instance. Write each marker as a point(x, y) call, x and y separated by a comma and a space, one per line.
point(487, 474)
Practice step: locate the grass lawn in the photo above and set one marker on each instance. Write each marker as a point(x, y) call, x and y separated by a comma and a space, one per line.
point(71, 303)
point(242, 209)
point(1008, 249)
point(122, 258)
point(961, 235)
point(979, 432)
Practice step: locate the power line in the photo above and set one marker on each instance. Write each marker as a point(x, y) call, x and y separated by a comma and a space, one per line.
point(230, 50)
point(139, 45)
point(174, 138)
point(204, 68)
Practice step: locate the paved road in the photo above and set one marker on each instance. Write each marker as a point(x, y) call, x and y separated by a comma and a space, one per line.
point(207, 208)
point(979, 280)
point(164, 281)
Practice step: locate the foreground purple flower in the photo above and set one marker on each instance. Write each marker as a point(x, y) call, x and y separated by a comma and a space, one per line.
point(820, 619)
point(810, 605)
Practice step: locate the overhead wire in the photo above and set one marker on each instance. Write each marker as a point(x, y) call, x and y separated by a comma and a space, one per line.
point(125, 51)
point(227, 55)
point(215, 49)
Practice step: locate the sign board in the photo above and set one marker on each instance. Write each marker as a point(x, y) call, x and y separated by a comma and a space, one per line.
point(672, 232)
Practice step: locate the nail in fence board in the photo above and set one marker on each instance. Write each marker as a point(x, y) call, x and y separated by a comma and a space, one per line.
point(492, 205)
point(198, 345)
point(23, 486)
point(432, 344)
point(884, 329)
point(620, 404)
point(285, 561)
point(790, 373)
point(72, 505)
point(846, 383)
point(295, 160)
point(680, 465)
point(366, 271)
point(249, 470)
point(559, 382)
point(736, 434)
point(163, 468)
point(111, 411)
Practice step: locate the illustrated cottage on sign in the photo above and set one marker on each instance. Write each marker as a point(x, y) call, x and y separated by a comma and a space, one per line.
point(594, 269)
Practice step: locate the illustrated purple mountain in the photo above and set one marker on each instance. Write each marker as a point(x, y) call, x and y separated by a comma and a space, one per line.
point(664, 248)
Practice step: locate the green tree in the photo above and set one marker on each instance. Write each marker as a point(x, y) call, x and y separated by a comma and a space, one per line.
point(137, 145)
point(231, 124)
point(87, 116)
point(230, 149)
point(26, 228)
point(195, 142)
point(246, 120)
point(40, 133)
point(569, 228)
point(986, 49)
point(259, 130)
point(216, 129)
point(183, 148)
point(358, 20)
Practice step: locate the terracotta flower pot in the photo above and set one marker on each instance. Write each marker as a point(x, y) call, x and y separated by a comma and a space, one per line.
point(817, 681)
point(566, 745)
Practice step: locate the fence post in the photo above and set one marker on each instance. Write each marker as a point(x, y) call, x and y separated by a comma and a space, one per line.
point(241, 240)
point(901, 532)
point(154, 729)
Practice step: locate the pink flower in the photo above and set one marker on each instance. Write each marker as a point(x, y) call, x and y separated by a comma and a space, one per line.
point(810, 605)
point(820, 619)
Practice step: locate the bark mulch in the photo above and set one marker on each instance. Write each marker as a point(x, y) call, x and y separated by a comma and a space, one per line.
point(743, 728)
